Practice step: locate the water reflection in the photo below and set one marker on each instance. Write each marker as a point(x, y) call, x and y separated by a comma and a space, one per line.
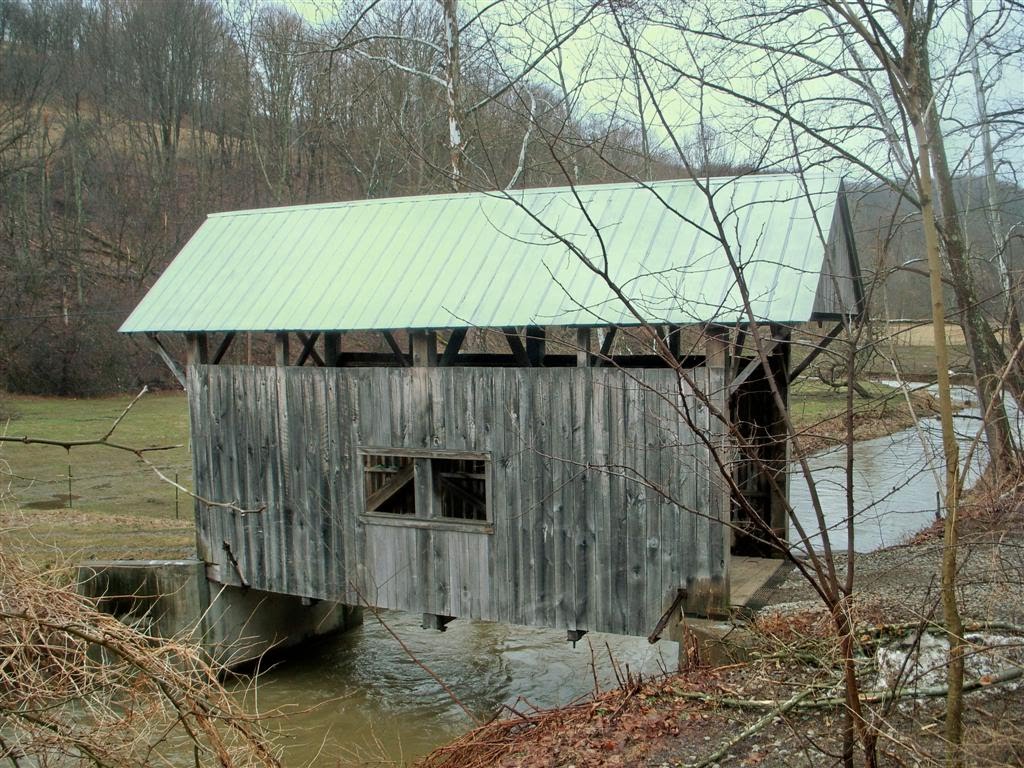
point(359, 697)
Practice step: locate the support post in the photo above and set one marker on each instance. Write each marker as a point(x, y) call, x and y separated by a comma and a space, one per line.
point(196, 348)
point(604, 356)
point(222, 350)
point(536, 345)
point(780, 363)
point(423, 348)
point(332, 349)
point(813, 354)
point(309, 349)
point(582, 347)
point(710, 596)
point(281, 356)
point(516, 345)
point(400, 357)
point(675, 334)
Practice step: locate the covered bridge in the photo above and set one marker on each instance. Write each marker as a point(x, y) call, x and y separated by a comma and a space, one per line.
point(532, 442)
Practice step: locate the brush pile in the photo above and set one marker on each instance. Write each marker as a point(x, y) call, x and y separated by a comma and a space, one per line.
point(78, 687)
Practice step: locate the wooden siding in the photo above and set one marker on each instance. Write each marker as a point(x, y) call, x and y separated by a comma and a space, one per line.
point(574, 540)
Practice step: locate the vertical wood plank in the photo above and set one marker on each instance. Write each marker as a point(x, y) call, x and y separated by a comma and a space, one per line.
point(599, 449)
point(542, 524)
point(583, 513)
point(281, 351)
point(617, 524)
point(635, 530)
point(332, 349)
point(582, 347)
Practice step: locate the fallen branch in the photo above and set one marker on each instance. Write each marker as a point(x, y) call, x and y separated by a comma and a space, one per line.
point(867, 697)
point(782, 709)
point(974, 626)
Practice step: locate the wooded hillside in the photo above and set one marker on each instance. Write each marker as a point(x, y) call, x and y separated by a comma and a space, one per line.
point(124, 122)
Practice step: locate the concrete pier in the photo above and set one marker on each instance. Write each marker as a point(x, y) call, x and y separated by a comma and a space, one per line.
point(174, 599)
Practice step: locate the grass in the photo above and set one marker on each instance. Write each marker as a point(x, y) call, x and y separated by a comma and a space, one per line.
point(118, 507)
point(812, 402)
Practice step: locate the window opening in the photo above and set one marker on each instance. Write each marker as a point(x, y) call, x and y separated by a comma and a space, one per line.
point(460, 485)
point(388, 483)
point(425, 486)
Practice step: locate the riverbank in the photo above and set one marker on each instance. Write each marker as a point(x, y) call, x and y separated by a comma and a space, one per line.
point(778, 706)
point(819, 412)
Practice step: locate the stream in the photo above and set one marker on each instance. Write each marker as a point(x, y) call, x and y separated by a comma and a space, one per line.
point(358, 696)
point(894, 487)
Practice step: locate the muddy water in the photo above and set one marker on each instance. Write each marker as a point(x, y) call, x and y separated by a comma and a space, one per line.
point(360, 696)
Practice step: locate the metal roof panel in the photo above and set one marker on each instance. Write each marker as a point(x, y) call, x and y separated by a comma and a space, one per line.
point(510, 258)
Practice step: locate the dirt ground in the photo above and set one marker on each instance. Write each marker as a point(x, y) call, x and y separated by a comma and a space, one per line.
point(737, 714)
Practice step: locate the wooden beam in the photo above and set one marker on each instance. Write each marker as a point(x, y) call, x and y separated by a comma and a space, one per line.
point(423, 348)
point(604, 356)
point(281, 349)
point(751, 366)
point(582, 347)
point(225, 344)
point(332, 349)
point(309, 349)
point(516, 345)
point(451, 349)
point(466, 495)
point(813, 355)
point(675, 335)
point(536, 345)
point(436, 621)
point(395, 349)
point(737, 347)
point(399, 480)
point(666, 617)
point(196, 349)
point(157, 346)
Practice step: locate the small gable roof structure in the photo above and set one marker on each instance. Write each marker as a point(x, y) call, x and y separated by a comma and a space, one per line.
point(519, 257)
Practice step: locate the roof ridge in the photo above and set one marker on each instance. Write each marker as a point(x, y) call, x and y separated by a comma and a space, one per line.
point(504, 193)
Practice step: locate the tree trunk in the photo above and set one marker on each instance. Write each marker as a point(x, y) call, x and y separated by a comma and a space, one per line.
point(987, 355)
point(451, 76)
point(925, 124)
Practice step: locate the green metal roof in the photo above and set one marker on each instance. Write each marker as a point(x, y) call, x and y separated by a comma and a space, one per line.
point(513, 258)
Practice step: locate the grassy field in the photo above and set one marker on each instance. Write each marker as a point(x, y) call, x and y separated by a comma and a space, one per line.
point(115, 506)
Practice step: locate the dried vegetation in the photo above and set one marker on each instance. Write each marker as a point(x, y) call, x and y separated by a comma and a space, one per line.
point(78, 687)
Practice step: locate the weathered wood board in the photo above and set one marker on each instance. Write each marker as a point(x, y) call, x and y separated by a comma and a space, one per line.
point(600, 496)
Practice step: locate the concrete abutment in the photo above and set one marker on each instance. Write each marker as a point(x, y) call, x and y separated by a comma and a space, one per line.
point(174, 599)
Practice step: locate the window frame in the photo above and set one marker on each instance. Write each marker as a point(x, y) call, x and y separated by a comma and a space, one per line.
point(425, 515)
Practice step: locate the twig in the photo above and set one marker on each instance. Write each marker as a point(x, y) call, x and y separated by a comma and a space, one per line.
point(124, 413)
point(139, 453)
point(975, 626)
